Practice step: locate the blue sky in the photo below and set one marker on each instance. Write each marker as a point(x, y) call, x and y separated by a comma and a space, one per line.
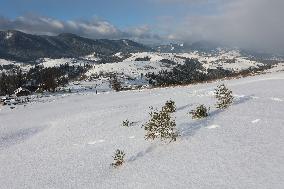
point(141, 20)
point(122, 13)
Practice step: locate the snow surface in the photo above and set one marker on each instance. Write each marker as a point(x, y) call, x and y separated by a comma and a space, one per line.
point(5, 62)
point(276, 68)
point(132, 68)
point(49, 62)
point(9, 35)
point(92, 57)
point(154, 56)
point(23, 66)
point(68, 141)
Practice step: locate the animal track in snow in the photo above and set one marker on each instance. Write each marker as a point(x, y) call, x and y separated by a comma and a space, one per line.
point(239, 96)
point(213, 126)
point(255, 121)
point(245, 96)
point(95, 142)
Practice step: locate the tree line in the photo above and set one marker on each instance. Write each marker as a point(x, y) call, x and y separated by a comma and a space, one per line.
point(192, 71)
point(39, 77)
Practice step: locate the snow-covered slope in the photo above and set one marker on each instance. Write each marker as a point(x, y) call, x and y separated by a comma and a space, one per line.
point(132, 68)
point(154, 57)
point(156, 61)
point(24, 67)
point(49, 62)
point(68, 142)
point(276, 68)
point(5, 62)
point(231, 60)
point(92, 57)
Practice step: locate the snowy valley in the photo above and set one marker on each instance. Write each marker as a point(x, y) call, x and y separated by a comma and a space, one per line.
point(133, 68)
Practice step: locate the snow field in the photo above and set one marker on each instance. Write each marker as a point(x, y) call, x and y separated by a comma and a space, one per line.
point(69, 142)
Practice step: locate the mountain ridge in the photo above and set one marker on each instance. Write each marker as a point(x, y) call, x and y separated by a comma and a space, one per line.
point(23, 47)
point(20, 46)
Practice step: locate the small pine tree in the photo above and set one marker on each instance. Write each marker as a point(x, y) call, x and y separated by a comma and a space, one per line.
point(161, 125)
point(115, 84)
point(224, 97)
point(200, 112)
point(118, 158)
point(170, 106)
point(127, 123)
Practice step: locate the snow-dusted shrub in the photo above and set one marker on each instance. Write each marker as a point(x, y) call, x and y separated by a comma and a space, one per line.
point(118, 158)
point(127, 123)
point(115, 84)
point(200, 112)
point(161, 125)
point(224, 97)
point(170, 106)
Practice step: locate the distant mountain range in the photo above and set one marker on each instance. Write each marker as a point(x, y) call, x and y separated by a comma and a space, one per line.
point(19, 46)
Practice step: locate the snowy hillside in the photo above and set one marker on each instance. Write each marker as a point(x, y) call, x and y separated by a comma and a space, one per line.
point(48, 62)
point(24, 67)
point(67, 141)
point(230, 60)
point(132, 68)
point(136, 65)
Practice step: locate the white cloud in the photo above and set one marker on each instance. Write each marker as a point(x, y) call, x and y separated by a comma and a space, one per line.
point(94, 28)
point(256, 24)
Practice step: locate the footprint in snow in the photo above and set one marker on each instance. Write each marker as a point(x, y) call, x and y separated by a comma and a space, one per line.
point(255, 121)
point(213, 126)
point(95, 142)
point(239, 96)
point(277, 99)
point(131, 137)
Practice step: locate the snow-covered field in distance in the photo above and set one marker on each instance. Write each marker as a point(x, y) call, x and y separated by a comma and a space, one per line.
point(24, 67)
point(231, 60)
point(132, 72)
point(228, 59)
point(69, 141)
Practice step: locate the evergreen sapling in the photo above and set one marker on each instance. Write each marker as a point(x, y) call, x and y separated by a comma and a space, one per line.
point(161, 124)
point(118, 158)
point(224, 97)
